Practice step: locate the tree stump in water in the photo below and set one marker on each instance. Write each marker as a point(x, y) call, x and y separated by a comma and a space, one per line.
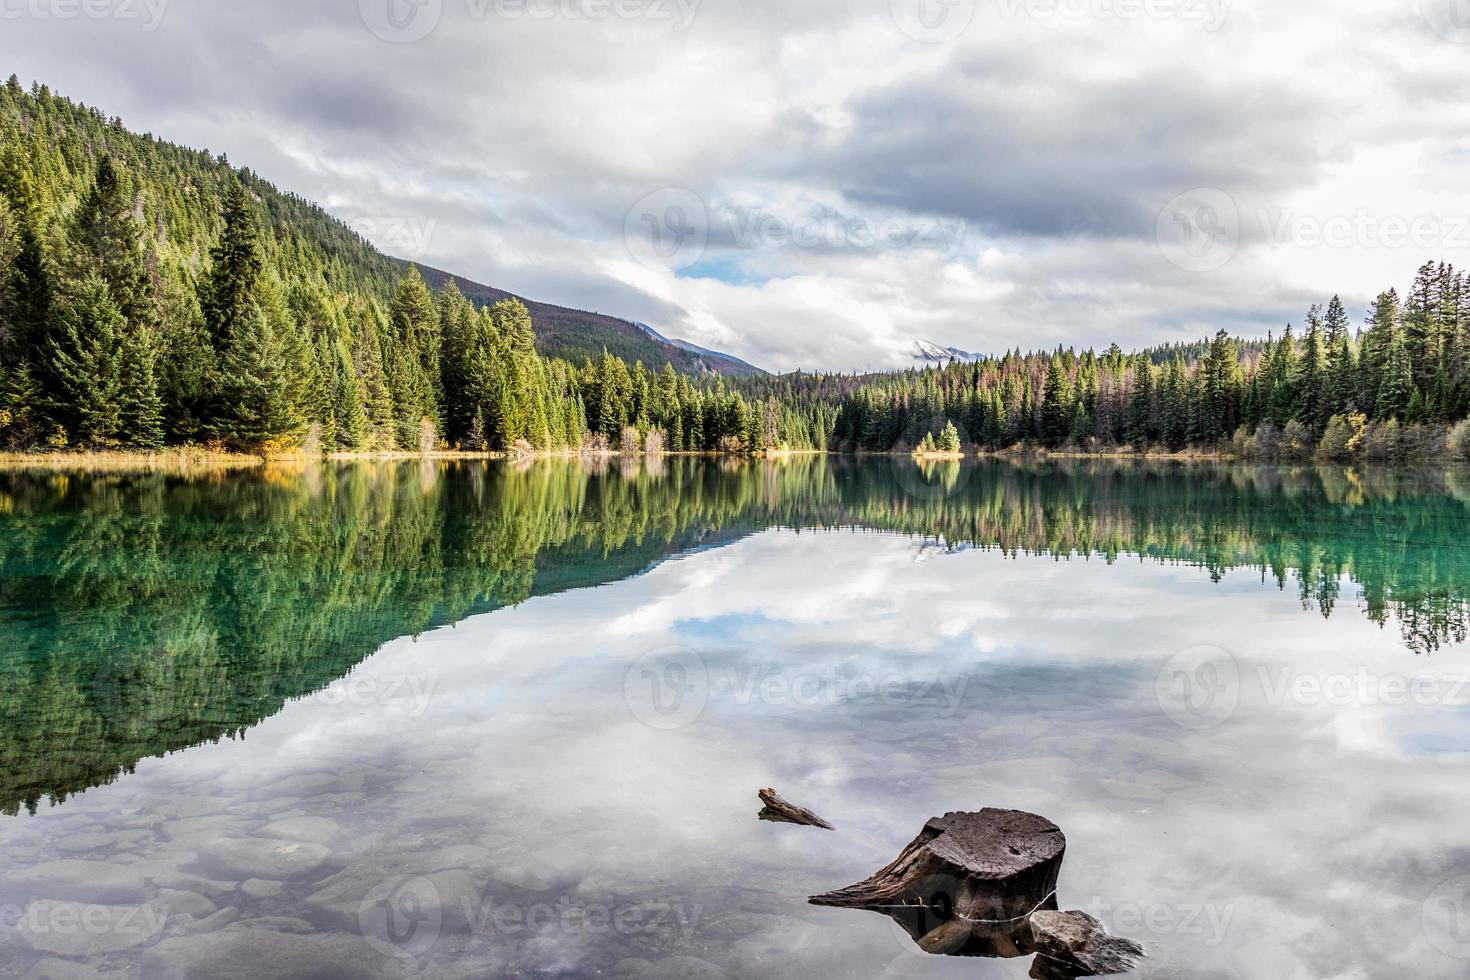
point(1006, 861)
point(972, 884)
point(778, 810)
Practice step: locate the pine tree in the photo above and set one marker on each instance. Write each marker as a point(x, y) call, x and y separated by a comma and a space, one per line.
point(1383, 327)
point(105, 239)
point(416, 328)
point(1314, 383)
point(1421, 323)
point(86, 367)
point(1056, 404)
point(1174, 407)
point(258, 409)
point(235, 267)
point(140, 402)
point(1217, 405)
point(1081, 425)
point(1396, 390)
point(1139, 426)
point(29, 288)
point(949, 441)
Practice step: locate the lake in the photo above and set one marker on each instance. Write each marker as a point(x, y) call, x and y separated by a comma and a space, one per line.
point(464, 720)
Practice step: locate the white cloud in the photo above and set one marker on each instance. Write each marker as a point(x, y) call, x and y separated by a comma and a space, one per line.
point(1054, 132)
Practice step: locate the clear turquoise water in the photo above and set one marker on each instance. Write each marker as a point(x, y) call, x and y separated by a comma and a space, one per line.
point(467, 721)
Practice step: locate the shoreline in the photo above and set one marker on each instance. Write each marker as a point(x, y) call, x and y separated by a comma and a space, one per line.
point(184, 459)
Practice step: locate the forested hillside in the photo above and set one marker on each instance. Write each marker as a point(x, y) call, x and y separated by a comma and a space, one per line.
point(152, 294)
point(1397, 387)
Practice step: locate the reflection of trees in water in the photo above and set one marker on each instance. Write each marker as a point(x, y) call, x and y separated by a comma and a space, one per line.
point(143, 614)
point(148, 613)
point(1400, 536)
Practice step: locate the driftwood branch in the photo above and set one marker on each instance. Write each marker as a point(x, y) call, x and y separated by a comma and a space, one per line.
point(778, 810)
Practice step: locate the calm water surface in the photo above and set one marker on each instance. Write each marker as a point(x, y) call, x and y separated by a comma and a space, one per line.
point(463, 721)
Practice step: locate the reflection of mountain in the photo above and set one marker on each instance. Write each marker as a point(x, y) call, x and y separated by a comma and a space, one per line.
point(144, 614)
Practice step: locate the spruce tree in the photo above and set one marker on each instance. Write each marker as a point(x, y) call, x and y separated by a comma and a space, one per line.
point(1314, 389)
point(949, 440)
point(1383, 327)
point(257, 408)
point(85, 366)
point(228, 295)
point(1056, 404)
point(1396, 389)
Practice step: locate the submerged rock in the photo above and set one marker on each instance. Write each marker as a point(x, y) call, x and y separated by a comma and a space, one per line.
point(1078, 940)
point(318, 830)
point(259, 857)
point(450, 899)
point(54, 969)
point(232, 954)
point(83, 881)
point(79, 929)
point(258, 889)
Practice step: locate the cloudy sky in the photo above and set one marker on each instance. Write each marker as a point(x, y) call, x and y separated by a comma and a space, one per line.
point(821, 183)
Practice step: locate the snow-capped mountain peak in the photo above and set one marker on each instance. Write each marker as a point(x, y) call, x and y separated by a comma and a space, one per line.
point(927, 352)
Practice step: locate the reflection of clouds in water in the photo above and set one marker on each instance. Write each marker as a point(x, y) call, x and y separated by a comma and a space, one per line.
point(1314, 832)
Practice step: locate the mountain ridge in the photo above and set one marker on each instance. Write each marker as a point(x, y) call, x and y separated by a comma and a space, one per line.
point(576, 335)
